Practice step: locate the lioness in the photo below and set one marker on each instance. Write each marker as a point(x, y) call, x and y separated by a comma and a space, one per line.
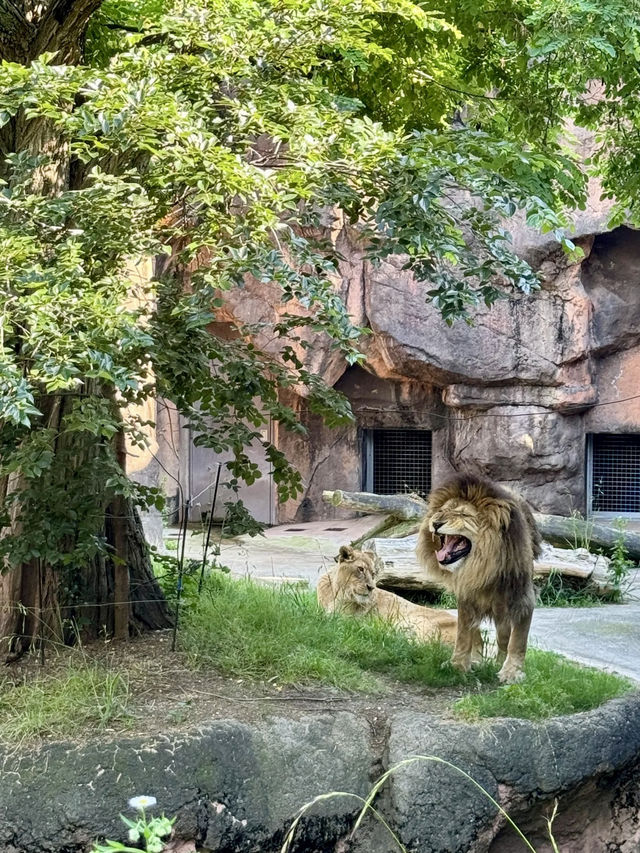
point(350, 587)
point(479, 541)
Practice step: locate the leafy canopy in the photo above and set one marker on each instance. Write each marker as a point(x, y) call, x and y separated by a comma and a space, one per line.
point(217, 135)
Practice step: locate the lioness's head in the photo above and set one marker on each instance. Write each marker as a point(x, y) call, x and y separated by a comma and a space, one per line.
point(355, 574)
point(465, 520)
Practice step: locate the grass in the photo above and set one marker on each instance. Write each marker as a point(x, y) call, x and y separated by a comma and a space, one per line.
point(259, 633)
point(268, 634)
point(61, 704)
point(553, 686)
point(556, 591)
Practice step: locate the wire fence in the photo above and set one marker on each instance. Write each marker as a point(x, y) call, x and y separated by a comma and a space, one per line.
point(45, 615)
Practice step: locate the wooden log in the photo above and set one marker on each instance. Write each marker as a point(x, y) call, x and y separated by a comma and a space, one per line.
point(401, 529)
point(559, 530)
point(399, 567)
point(404, 507)
point(569, 532)
point(382, 528)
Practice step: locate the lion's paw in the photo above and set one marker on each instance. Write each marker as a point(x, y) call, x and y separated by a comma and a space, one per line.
point(510, 674)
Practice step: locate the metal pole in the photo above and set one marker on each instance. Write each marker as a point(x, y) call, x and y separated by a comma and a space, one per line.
point(183, 531)
point(209, 525)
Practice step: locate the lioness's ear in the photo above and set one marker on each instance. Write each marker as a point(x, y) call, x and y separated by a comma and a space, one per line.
point(378, 563)
point(345, 553)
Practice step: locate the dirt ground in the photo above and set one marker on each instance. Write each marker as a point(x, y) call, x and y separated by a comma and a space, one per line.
point(166, 695)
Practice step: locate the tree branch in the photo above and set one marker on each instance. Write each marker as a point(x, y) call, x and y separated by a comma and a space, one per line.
point(56, 26)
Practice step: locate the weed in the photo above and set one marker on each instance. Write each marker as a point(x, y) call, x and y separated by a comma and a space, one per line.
point(582, 532)
point(554, 590)
point(166, 569)
point(368, 808)
point(148, 831)
point(553, 686)
point(86, 695)
point(620, 565)
point(447, 600)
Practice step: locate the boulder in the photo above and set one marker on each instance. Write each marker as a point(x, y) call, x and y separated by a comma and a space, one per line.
point(525, 767)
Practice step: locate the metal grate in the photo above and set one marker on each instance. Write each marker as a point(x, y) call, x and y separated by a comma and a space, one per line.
point(615, 480)
point(401, 461)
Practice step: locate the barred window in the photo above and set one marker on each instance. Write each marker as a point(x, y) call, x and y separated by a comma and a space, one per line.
point(614, 485)
point(397, 461)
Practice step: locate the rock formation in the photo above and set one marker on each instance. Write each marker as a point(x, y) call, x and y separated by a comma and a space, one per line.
point(237, 786)
point(513, 397)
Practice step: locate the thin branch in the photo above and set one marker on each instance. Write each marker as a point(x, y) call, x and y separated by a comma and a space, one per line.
point(424, 76)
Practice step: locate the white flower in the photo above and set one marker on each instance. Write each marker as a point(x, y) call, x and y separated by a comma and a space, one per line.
point(143, 802)
point(134, 835)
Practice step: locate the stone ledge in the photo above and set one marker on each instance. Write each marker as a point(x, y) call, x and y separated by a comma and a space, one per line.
point(235, 787)
point(522, 765)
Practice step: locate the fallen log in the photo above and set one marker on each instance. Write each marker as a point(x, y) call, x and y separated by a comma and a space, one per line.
point(398, 565)
point(571, 532)
point(402, 507)
point(559, 530)
point(399, 569)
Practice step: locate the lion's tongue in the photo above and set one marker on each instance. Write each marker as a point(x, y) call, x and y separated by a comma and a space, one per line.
point(450, 545)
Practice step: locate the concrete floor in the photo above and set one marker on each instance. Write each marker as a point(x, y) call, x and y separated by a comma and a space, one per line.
point(295, 551)
point(607, 637)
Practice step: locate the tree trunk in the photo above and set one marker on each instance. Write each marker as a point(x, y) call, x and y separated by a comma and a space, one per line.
point(115, 593)
point(41, 601)
point(96, 611)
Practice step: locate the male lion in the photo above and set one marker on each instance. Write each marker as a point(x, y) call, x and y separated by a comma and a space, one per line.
point(479, 541)
point(350, 587)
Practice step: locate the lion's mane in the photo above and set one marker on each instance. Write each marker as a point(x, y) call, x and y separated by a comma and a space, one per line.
point(498, 571)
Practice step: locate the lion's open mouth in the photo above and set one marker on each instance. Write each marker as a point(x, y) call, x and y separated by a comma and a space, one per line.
point(453, 548)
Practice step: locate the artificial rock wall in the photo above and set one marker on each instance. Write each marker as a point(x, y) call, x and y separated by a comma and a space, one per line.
point(511, 397)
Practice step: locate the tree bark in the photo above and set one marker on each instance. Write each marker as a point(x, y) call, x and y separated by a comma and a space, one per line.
point(29, 28)
point(116, 590)
point(120, 555)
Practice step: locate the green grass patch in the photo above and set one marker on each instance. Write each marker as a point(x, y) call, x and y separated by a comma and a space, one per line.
point(553, 686)
point(61, 704)
point(262, 633)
